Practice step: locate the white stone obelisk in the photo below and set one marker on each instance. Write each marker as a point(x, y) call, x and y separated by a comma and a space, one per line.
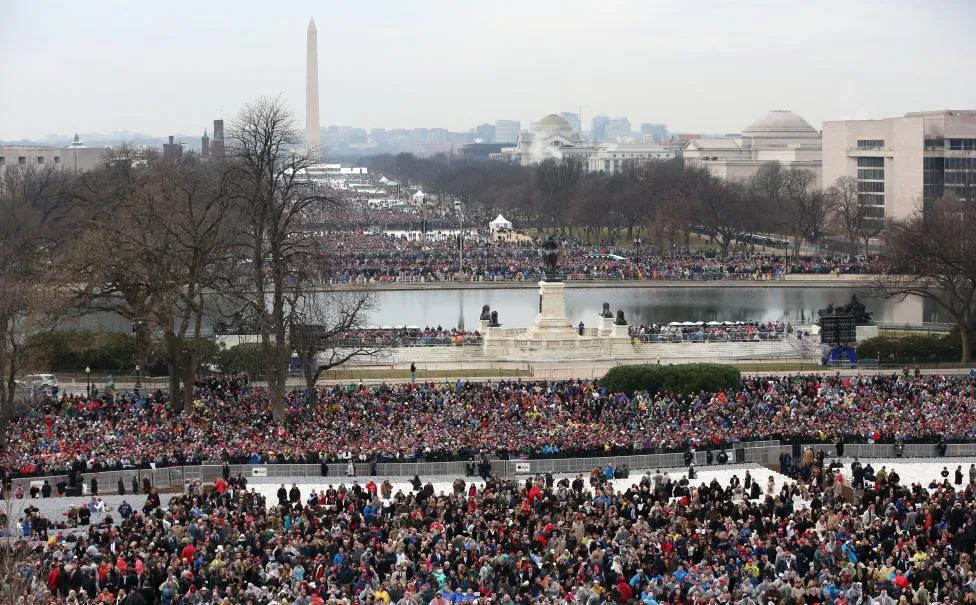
point(312, 89)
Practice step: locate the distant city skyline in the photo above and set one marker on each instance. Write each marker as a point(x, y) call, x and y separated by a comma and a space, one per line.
point(710, 67)
point(123, 134)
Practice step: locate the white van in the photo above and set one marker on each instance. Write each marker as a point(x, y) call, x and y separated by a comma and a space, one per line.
point(39, 380)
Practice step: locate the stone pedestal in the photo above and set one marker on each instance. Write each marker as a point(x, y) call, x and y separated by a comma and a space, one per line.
point(605, 327)
point(621, 332)
point(495, 341)
point(483, 326)
point(551, 322)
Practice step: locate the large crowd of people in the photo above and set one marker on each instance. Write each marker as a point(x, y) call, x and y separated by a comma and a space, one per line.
point(407, 336)
point(232, 420)
point(359, 215)
point(726, 331)
point(377, 258)
point(833, 534)
point(650, 540)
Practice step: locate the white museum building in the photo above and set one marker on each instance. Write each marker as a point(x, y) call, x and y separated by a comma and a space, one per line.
point(778, 136)
point(554, 137)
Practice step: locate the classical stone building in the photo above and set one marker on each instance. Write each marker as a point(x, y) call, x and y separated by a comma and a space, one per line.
point(779, 135)
point(554, 137)
point(614, 157)
point(550, 137)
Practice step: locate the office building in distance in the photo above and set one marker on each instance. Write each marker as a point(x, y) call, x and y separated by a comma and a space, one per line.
point(75, 157)
point(598, 127)
point(618, 129)
point(903, 163)
point(657, 133)
point(485, 133)
point(507, 131)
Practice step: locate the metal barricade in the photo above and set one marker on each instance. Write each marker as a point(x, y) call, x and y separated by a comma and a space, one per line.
point(765, 452)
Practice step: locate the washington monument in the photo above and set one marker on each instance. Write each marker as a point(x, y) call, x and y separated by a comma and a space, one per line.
point(312, 89)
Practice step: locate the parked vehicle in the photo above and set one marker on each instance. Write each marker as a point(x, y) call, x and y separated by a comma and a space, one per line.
point(41, 381)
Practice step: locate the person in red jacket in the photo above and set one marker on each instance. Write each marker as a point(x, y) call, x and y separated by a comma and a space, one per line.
point(52, 579)
point(624, 592)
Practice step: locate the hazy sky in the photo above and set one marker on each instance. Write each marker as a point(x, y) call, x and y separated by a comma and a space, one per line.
point(697, 65)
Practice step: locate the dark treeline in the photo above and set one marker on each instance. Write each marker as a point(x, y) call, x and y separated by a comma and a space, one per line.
point(663, 200)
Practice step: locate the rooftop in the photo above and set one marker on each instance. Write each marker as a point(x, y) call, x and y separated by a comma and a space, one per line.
point(778, 122)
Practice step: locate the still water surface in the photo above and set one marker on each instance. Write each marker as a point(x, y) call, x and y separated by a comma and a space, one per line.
point(518, 307)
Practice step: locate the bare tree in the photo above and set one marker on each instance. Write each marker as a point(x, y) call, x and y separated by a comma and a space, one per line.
point(22, 579)
point(195, 217)
point(798, 208)
point(172, 231)
point(858, 221)
point(32, 216)
point(275, 196)
point(931, 255)
point(726, 208)
point(326, 337)
point(555, 181)
point(850, 210)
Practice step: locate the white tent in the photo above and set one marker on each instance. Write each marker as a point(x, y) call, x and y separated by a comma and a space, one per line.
point(499, 224)
point(419, 196)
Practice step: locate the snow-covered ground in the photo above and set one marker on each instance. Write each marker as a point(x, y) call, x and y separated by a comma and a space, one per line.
point(916, 470)
point(444, 484)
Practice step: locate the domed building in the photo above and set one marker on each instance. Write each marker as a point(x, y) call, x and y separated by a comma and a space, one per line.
point(554, 137)
point(554, 124)
point(779, 135)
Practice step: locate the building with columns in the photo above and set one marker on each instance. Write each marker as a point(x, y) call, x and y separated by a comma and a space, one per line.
point(611, 158)
point(779, 135)
point(554, 137)
point(550, 137)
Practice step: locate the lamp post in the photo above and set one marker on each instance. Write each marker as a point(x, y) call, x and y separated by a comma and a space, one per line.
point(637, 243)
point(88, 380)
point(423, 220)
point(136, 328)
point(487, 254)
